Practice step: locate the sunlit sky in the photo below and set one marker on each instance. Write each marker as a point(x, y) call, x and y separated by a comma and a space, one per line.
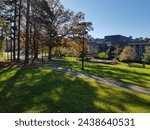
point(111, 17)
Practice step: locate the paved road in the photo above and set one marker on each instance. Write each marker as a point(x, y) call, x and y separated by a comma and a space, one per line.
point(102, 80)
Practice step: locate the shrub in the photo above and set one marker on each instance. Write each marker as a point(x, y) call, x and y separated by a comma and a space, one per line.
point(115, 61)
point(146, 56)
point(71, 53)
point(128, 54)
point(103, 55)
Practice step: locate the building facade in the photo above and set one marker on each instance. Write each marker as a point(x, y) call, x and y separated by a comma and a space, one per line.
point(97, 45)
point(118, 39)
point(139, 48)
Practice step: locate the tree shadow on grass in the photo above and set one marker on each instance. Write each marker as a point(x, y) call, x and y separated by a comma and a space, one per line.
point(110, 72)
point(119, 74)
point(5, 66)
point(123, 101)
point(35, 91)
point(43, 90)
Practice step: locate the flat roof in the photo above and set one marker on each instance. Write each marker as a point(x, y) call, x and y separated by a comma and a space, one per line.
point(139, 43)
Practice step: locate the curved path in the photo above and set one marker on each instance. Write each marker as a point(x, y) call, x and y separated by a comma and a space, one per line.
point(102, 80)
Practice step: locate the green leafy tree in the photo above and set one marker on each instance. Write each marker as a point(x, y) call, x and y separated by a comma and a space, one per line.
point(116, 52)
point(59, 23)
point(146, 56)
point(103, 55)
point(128, 54)
point(38, 24)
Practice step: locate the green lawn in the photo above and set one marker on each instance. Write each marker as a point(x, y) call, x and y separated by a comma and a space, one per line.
point(121, 72)
point(2, 59)
point(44, 90)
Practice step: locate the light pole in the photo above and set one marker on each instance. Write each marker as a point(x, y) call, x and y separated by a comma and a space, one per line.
point(83, 49)
point(82, 32)
point(82, 53)
point(83, 29)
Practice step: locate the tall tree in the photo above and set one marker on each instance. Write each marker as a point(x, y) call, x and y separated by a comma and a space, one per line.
point(35, 28)
point(19, 36)
point(82, 31)
point(14, 29)
point(146, 55)
point(58, 22)
point(27, 33)
point(49, 23)
point(5, 19)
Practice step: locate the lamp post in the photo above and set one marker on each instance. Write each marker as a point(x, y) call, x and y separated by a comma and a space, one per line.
point(82, 53)
point(83, 49)
point(83, 32)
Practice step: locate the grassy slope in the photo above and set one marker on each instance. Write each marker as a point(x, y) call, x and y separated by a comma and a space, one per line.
point(121, 72)
point(45, 90)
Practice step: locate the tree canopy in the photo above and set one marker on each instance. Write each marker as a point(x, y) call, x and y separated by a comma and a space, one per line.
point(34, 25)
point(128, 54)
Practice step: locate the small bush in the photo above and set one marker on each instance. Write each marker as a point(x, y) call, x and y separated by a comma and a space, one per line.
point(115, 62)
point(128, 54)
point(103, 55)
point(146, 56)
point(87, 58)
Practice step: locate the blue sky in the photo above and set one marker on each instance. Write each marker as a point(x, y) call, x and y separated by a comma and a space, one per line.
point(110, 17)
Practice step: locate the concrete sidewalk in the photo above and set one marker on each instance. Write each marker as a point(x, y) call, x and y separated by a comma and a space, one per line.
point(131, 87)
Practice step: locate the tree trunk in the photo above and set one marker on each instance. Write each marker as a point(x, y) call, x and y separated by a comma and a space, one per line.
point(11, 53)
point(27, 35)
point(7, 49)
point(50, 48)
point(50, 53)
point(35, 46)
point(11, 50)
point(36, 52)
point(19, 22)
point(14, 38)
point(42, 54)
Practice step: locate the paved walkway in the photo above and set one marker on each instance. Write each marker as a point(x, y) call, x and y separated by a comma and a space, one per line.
point(102, 80)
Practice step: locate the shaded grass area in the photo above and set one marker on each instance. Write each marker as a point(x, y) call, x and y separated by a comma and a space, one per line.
point(121, 72)
point(41, 89)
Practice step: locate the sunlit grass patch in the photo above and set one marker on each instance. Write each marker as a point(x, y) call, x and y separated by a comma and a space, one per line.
point(121, 72)
point(44, 90)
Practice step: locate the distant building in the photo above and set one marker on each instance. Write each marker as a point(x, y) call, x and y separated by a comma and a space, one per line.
point(93, 49)
point(118, 39)
point(139, 48)
point(97, 45)
point(103, 44)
